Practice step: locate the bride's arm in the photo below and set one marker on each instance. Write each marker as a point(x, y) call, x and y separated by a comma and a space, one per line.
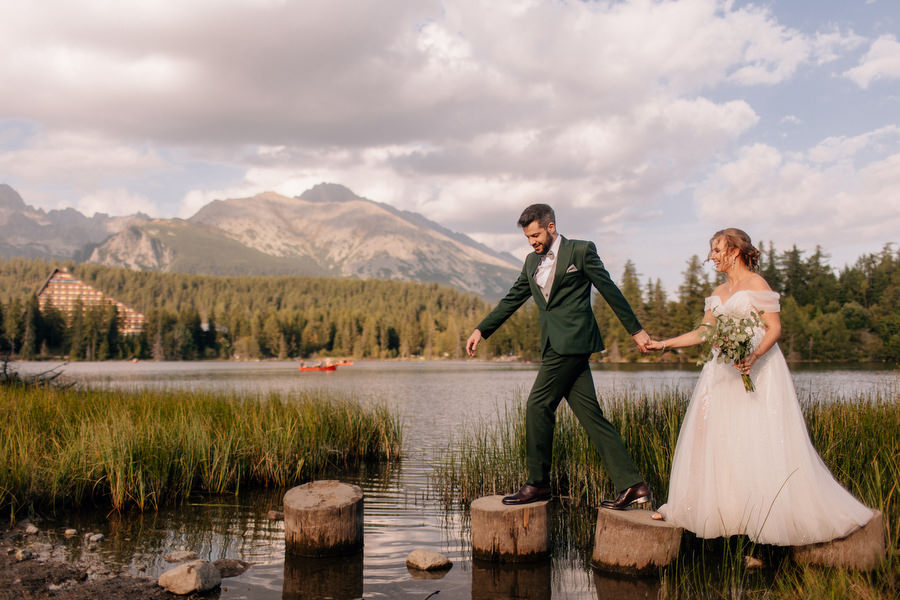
point(773, 332)
point(691, 338)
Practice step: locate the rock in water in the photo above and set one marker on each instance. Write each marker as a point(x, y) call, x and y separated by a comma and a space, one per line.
point(180, 556)
point(23, 555)
point(190, 577)
point(230, 567)
point(426, 560)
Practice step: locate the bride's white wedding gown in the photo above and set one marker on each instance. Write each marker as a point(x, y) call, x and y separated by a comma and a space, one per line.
point(744, 463)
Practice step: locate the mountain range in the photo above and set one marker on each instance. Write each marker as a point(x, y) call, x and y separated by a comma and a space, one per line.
point(328, 231)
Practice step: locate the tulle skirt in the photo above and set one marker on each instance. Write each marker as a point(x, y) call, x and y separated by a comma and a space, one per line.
point(744, 464)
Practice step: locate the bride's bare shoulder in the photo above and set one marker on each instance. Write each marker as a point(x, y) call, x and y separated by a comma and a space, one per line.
point(757, 283)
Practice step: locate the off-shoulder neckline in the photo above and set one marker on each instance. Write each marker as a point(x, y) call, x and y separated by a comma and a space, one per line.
point(723, 302)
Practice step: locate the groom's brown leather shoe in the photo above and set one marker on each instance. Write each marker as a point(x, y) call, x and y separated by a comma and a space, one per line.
point(527, 494)
point(636, 494)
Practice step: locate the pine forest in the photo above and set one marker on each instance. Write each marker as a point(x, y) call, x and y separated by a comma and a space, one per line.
point(850, 315)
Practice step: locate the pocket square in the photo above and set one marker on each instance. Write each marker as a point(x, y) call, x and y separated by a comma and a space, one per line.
point(571, 269)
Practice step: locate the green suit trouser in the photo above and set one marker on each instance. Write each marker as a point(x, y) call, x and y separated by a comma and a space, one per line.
point(569, 377)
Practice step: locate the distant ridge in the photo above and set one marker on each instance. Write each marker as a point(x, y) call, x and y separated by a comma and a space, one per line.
point(327, 231)
point(324, 192)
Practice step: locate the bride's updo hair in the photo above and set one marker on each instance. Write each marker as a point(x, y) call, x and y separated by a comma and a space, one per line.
point(736, 238)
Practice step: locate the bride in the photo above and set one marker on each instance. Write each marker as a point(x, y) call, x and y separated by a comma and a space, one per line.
point(744, 463)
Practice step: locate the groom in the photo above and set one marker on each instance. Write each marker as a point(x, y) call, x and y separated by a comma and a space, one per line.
point(558, 275)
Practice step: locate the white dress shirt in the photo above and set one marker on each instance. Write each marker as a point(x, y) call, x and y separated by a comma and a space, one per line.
point(543, 276)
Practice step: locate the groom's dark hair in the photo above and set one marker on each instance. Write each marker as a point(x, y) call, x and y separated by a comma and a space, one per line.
point(542, 213)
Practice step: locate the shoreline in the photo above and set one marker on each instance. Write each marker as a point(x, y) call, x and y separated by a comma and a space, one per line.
point(31, 568)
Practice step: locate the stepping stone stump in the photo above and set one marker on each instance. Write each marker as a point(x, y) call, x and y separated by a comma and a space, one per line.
point(862, 550)
point(323, 518)
point(632, 543)
point(510, 533)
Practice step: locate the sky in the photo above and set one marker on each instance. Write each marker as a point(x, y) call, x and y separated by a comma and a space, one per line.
point(647, 125)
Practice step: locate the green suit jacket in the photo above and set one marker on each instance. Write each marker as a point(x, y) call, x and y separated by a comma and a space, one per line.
point(566, 318)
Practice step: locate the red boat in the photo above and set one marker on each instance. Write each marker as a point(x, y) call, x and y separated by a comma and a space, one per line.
point(331, 367)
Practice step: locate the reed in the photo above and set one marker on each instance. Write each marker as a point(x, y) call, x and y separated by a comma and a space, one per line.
point(67, 448)
point(488, 457)
point(858, 438)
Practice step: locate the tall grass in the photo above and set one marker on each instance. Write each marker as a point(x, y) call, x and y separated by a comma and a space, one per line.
point(66, 448)
point(859, 440)
point(488, 457)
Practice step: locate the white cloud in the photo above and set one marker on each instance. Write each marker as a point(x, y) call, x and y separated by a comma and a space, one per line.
point(838, 148)
point(316, 73)
point(818, 197)
point(882, 61)
point(464, 111)
point(78, 158)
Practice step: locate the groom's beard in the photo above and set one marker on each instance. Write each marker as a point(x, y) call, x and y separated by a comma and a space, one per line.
point(542, 247)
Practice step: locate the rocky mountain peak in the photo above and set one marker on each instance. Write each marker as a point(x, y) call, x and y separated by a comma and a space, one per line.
point(10, 198)
point(329, 192)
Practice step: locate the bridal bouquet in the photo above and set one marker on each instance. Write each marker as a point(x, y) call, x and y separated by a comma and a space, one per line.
point(732, 338)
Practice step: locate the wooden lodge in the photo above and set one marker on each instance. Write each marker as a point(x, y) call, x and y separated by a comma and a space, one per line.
point(62, 290)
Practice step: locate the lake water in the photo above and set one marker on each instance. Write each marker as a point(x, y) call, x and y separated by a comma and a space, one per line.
point(436, 400)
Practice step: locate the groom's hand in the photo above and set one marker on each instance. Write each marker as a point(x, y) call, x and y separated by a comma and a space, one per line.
point(472, 342)
point(642, 339)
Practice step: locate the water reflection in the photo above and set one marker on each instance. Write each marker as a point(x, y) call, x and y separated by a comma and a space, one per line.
point(612, 587)
point(213, 527)
point(340, 578)
point(506, 581)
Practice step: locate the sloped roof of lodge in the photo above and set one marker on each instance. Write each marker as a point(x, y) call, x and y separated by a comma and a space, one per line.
point(133, 321)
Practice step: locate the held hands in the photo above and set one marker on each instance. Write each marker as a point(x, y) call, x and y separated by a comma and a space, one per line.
point(472, 342)
point(642, 339)
point(656, 345)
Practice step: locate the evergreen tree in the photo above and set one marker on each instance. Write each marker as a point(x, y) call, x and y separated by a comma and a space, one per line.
point(822, 285)
point(210, 339)
point(31, 340)
point(794, 275)
point(769, 269)
point(693, 291)
point(658, 317)
point(53, 330)
point(108, 346)
point(13, 324)
point(75, 332)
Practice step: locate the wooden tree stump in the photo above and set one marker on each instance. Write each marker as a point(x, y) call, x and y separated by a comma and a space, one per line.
point(323, 518)
point(514, 533)
point(630, 542)
point(863, 550)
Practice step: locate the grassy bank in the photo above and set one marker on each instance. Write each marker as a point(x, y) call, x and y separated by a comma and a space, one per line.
point(859, 440)
point(66, 448)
